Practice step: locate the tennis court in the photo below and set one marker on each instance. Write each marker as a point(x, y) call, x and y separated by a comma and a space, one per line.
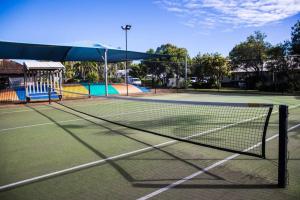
point(53, 152)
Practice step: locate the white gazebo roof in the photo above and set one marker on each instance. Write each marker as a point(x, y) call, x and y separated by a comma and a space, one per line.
point(43, 65)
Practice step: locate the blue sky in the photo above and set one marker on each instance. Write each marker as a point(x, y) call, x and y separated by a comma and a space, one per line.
point(198, 25)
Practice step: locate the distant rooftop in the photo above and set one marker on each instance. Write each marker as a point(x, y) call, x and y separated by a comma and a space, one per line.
point(9, 67)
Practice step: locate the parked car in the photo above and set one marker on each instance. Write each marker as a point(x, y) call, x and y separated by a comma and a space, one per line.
point(194, 79)
point(134, 81)
point(203, 81)
point(242, 84)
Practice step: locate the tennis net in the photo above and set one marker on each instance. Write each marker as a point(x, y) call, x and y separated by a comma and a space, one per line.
point(231, 127)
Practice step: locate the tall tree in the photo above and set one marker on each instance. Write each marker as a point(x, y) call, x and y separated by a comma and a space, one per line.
point(82, 70)
point(167, 67)
point(197, 69)
point(138, 70)
point(69, 70)
point(295, 39)
point(278, 66)
point(284, 68)
point(213, 65)
point(251, 54)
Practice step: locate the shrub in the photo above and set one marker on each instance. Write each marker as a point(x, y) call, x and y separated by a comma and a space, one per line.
point(92, 77)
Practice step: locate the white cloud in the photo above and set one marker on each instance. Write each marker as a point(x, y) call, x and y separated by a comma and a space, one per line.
point(175, 9)
point(238, 13)
point(191, 5)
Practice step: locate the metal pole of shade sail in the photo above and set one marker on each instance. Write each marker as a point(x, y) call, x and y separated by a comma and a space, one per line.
point(89, 85)
point(126, 78)
point(126, 28)
point(105, 72)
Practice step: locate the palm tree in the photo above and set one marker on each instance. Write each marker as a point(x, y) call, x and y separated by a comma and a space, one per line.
point(82, 69)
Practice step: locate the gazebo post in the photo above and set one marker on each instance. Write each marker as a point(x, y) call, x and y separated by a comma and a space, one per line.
point(60, 81)
point(25, 83)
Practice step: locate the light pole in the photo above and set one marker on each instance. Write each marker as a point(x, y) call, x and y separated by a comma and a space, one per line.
point(186, 72)
point(126, 28)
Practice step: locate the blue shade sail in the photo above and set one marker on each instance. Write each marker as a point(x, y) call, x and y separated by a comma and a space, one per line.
point(92, 52)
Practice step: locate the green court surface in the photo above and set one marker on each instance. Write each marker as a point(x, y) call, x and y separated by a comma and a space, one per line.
point(62, 154)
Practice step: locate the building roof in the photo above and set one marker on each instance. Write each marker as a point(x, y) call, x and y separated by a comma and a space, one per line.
point(43, 65)
point(9, 67)
point(242, 70)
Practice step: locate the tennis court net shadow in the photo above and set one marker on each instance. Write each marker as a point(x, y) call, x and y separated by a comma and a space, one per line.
point(209, 186)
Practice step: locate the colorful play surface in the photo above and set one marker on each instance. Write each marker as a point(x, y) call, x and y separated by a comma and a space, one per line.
point(18, 94)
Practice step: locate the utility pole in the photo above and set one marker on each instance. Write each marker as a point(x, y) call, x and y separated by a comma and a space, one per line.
point(186, 72)
point(126, 28)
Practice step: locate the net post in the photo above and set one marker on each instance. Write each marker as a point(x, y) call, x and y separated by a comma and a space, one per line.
point(282, 152)
point(49, 94)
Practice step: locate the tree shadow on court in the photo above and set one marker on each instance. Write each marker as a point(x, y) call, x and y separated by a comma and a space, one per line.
point(91, 148)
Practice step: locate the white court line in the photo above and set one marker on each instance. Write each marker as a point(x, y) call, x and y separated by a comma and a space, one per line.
point(75, 104)
point(174, 184)
point(294, 106)
point(41, 124)
point(90, 164)
point(18, 111)
point(29, 110)
point(71, 120)
point(78, 167)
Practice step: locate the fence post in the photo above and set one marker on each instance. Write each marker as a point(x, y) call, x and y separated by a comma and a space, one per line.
point(283, 140)
point(49, 94)
point(89, 85)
